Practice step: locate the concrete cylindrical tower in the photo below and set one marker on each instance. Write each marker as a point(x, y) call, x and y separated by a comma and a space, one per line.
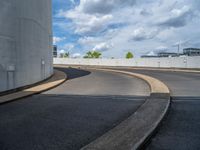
point(25, 42)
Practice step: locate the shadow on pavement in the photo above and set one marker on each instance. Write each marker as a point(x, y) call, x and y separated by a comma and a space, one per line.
point(73, 73)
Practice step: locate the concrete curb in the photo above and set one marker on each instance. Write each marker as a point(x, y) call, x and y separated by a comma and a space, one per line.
point(132, 133)
point(58, 78)
point(156, 85)
point(168, 69)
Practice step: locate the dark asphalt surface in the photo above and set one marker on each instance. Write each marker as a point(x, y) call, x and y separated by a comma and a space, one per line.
point(180, 130)
point(71, 115)
point(181, 84)
point(101, 83)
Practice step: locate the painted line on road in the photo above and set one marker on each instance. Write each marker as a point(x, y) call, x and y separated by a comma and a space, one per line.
point(58, 78)
point(132, 133)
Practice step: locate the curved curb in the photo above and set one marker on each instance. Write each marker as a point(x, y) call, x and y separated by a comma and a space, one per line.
point(156, 86)
point(132, 133)
point(169, 69)
point(58, 78)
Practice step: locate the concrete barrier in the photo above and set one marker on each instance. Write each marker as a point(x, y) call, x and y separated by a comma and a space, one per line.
point(169, 62)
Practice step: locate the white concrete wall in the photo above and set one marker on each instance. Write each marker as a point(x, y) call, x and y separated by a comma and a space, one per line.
point(171, 62)
point(25, 42)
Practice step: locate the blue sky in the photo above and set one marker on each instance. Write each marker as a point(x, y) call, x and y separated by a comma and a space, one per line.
point(117, 26)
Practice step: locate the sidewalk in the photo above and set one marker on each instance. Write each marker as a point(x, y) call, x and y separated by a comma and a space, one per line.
point(58, 78)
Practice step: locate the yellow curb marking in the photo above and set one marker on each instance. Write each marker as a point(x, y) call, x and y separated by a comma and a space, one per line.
point(58, 78)
point(156, 85)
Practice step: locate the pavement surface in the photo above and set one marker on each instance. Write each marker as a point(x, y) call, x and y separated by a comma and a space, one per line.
point(180, 128)
point(101, 83)
point(55, 80)
point(72, 115)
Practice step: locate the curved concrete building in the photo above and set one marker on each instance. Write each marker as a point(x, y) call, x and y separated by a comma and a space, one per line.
point(25, 42)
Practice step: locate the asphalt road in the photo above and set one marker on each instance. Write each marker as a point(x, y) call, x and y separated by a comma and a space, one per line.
point(180, 130)
point(71, 115)
point(101, 83)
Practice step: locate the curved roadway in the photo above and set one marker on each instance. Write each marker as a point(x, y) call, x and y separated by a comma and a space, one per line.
point(90, 103)
point(180, 129)
point(73, 114)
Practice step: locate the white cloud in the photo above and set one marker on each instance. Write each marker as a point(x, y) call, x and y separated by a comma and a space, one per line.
point(177, 17)
point(142, 34)
point(76, 55)
point(68, 47)
point(151, 53)
point(87, 40)
point(183, 43)
point(62, 51)
point(103, 47)
point(86, 23)
point(72, 1)
point(138, 25)
point(162, 48)
point(58, 39)
point(103, 6)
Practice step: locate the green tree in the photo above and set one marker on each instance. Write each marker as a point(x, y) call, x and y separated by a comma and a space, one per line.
point(66, 55)
point(88, 55)
point(129, 55)
point(96, 54)
point(93, 54)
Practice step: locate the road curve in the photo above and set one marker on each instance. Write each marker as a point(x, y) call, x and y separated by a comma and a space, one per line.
point(181, 84)
point(180, 128)
point(73, 114)
point(101, 83)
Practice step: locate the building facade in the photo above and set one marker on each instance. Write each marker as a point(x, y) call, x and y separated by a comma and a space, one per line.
point(25, 42)
point(191, 51)
point(167, 54)
point(55, 51)
point(161, 54)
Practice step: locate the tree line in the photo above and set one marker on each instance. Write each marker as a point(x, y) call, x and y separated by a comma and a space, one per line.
point(96, 54)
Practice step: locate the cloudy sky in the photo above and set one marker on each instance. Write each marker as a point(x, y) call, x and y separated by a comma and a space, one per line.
point(117, 26)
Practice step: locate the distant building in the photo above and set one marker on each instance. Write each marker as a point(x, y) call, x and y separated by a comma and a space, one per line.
point(55, 51)
point(191, 51)
point(161, 54)
point(148, 56)
point(167, 54)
